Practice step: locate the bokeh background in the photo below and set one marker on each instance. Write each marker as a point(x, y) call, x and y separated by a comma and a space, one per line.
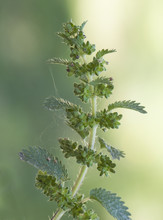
point(27, 40)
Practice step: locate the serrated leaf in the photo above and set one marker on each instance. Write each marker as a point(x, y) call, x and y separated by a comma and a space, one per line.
point(115, 153)
point(64, 36)
point(83, 25)
point(102, 52)
point(56, 60)
point(111, 202)
point(52, 103)
point(101, 80)
point(41, 159)
point(127, 104)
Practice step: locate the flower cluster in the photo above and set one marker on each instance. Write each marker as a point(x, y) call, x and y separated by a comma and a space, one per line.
point(74, 37)
point(63, 196)
point(87, 156)
point(81, 121)
point(78, 120)
point(108, 120)
point(77, 69)
point(83, 91)
point(101, 88)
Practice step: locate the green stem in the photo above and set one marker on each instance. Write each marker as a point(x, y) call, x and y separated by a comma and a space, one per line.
point(79, 180)
point(83, 171)
point(58, 215)
point(91, 145)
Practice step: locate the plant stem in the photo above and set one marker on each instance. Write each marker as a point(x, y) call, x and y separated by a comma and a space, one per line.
point(91, 143)
point(58, 214)
point(79, 180)
point(83, 170)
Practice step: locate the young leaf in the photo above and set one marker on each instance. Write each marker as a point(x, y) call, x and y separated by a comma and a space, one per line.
point(102, 52)
point(53, 103)
point(43, 160)
point(83, 25)
point(101, 80)
point(115, 153)
point(111, 203)
point(56, 60)
point(127, 104)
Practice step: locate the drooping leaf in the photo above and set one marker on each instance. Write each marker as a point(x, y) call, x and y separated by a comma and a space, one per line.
point(41, 159)
point(56, 60)
point(52, 103)
point(111, 202)
point(102, 52)
point(115, 153)
point(127, 104)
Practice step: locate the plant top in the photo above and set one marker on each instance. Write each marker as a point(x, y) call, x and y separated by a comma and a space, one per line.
point(52, 177)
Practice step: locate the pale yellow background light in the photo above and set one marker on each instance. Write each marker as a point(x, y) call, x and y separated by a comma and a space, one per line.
point(135, 29)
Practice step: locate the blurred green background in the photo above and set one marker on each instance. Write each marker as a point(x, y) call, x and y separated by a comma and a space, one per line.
point(27, 40)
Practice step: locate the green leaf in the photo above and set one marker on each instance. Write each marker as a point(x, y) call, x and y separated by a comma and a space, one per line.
point(101, 80)
point(111, 203)
point(56, 60)
point(115, 153)
point(83, 25)
point(41, 159)
point(127, 104)
point(102, 52)
point(53, 104)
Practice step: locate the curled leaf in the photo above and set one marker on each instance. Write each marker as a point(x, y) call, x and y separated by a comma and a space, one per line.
point(127, 104)
point(102, 52)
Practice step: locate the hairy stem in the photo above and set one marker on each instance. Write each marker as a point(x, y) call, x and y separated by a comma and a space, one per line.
point(79, 180)
point(83, 170)
point(91, 143)
point(58, 215)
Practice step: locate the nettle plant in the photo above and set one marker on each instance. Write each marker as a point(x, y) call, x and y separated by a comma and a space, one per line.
point(52, 177)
